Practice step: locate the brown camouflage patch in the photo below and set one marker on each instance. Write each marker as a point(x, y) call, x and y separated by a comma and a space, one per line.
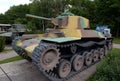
point(89, 33)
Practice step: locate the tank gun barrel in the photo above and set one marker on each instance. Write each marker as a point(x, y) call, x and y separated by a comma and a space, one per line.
point(38, 17)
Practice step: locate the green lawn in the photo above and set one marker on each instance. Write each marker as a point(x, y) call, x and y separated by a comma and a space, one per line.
point(16, 58)
point(116, 40)
point(109, 68)
point(7, 50)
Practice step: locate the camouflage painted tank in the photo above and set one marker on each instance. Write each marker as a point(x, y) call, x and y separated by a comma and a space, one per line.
point(65, 50)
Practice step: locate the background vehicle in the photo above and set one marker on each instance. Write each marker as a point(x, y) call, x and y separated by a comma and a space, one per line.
point(11, 31)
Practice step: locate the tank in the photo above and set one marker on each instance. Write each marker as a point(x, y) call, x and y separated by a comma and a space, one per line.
point(18, 28)
point(65, 50)
point(4, 32)
point(11, 31)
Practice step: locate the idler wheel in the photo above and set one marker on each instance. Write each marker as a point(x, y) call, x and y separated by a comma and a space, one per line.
point(64, 68)
point(77, 62)
point(88, 59)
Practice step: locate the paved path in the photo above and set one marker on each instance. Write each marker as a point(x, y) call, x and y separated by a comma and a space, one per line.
point(116, 45)
point(26, 71)
point(20, 71)
point(7, 54)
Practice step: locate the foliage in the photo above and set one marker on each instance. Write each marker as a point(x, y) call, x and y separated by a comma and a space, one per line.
point(109, 68)
point(107, 12)
point(100, 12)
point(2, 43)
point(30, 26)
point(17, 14)
point(3, 18)
point(12, 59)
point(7, 50)
point(84, 8)
point(116, 40)
point(45, 8)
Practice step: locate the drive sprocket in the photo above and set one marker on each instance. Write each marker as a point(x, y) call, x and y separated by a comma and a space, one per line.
point(47, 56)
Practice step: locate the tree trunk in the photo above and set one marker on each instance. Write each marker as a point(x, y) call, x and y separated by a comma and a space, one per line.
point(118, 30)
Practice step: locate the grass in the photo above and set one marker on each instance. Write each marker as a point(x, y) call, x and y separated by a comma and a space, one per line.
point(7, 50)
point(116, 40)
point(12, 59)
point(109, 68)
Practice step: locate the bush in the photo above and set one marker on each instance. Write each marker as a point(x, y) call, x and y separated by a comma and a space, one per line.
point(34, 32)
point(109, 68)
point(2, 43)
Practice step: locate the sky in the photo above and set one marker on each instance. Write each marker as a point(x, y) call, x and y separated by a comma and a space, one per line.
point(6, 4)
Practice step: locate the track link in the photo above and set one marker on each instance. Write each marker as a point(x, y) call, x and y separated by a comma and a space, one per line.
point(21, 52)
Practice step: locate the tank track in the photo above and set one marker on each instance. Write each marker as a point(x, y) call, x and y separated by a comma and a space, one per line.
point(52, 75)
point(21, 52)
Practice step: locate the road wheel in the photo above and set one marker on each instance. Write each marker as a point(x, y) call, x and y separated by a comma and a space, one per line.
point(77, 62)
point(95, 55)
point(110, 45)
point(101, 52)
point(88, 59)
point(106, 50)
point(64, 68)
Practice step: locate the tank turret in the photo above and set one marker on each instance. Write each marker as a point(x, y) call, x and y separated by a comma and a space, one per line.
point(55, 21)
point(66, 21)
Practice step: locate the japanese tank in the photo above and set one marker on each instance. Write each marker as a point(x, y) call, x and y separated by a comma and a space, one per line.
point(11, 31)
point(67, 49)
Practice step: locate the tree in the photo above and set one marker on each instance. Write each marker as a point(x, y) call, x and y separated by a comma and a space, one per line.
point(3, 19)
point(84, 8)
point(17, 14)
point(107, 12)
point(46, 8)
